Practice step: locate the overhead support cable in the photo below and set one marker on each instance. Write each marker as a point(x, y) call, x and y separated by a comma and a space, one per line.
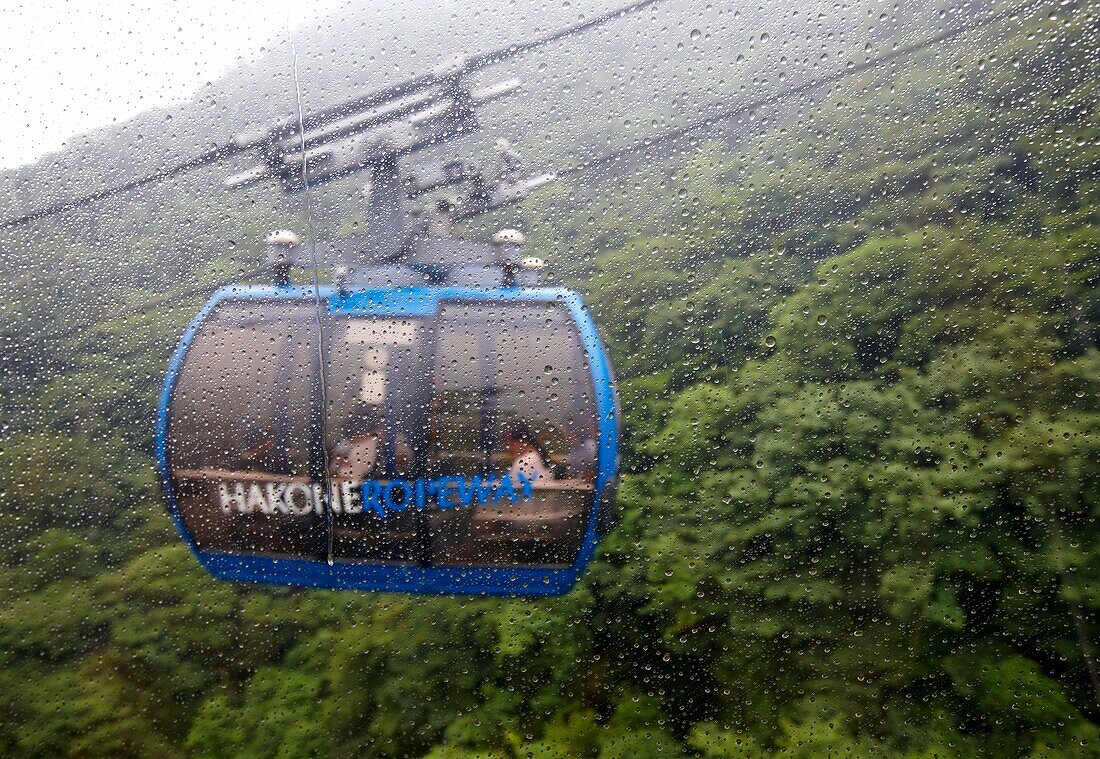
point(289, 127)
point(204, 159)
point(724, 113)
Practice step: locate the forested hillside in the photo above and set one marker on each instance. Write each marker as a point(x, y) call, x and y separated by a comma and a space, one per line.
point(856, 343)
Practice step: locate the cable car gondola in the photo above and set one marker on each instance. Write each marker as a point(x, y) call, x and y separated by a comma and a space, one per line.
point(465, 440)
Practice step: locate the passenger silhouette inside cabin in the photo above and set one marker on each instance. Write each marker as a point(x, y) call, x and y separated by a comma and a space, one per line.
point(356, 457)
point(528, 454)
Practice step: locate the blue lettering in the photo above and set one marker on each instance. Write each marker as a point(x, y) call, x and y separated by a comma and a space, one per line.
point(505, 489)
point(387, 495)
point(371, 491)
point(483, 488)
point(445, 492)
point(465, 489)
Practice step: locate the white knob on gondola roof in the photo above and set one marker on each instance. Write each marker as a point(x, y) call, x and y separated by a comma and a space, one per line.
point(509, 237)
point(283, 237)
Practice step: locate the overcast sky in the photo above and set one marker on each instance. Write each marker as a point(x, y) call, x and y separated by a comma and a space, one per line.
point(72, 66)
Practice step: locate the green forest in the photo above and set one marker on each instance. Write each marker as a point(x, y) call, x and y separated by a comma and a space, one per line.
point(856, 345)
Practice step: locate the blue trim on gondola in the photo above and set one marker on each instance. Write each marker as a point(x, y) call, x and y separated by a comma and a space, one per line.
point(473, 580)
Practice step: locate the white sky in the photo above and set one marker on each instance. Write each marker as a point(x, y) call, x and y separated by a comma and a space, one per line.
point(72, 66)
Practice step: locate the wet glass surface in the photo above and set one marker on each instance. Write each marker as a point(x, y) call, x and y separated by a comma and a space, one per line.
point(843, 258)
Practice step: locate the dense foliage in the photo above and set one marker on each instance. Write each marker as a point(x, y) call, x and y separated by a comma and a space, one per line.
point(858, 361)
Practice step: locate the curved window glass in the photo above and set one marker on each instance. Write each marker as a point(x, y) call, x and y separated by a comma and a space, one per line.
point(462, 438)
point(241, 433)
point(513, 405)
point(377, 375)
